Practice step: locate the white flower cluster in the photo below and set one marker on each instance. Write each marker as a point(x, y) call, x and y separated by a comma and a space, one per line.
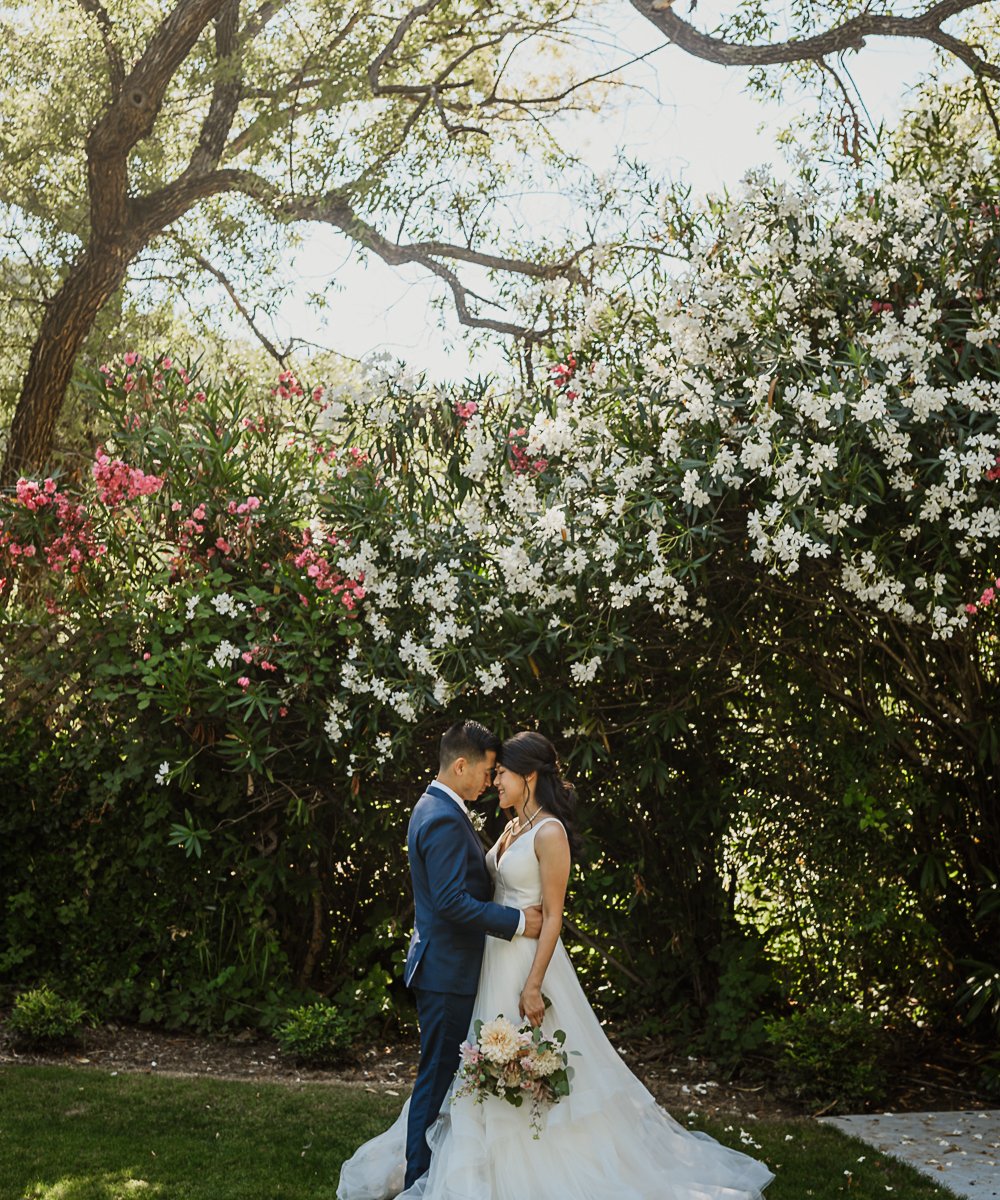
point(792, 403)
point(586, 672)
point(227, 606)
point(224, 654)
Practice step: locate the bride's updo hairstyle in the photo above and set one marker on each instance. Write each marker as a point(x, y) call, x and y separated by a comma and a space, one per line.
point(526, 752)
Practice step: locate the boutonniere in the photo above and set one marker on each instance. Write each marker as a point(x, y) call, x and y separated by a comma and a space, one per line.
point(478, 820)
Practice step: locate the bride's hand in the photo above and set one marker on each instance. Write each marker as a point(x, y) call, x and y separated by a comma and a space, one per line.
point(531, 1005)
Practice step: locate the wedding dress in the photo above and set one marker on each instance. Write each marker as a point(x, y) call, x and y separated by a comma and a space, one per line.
point(607, 1140)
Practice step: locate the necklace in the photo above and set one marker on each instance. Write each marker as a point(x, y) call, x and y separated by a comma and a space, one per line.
point(521, 828)
point(512, 837)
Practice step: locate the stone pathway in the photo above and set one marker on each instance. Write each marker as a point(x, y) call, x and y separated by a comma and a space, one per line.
point(959, 1149)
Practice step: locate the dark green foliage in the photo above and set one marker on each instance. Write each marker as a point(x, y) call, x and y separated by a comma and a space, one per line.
point(751, 838)
point(832, 1055)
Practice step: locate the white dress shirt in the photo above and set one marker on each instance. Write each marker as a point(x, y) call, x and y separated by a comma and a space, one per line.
point(461, 804)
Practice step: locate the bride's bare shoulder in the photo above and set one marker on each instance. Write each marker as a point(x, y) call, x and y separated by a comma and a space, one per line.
point(551, 834)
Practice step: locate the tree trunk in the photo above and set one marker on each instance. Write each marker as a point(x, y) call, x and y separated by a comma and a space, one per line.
point(68, 320)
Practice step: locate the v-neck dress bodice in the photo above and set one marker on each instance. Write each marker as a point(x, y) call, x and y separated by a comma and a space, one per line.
point(517, 876)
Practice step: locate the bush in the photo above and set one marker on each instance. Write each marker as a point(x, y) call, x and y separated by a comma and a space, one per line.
point(319, 1034)
point(736, 1024)
point(41, 1017)
point(831, 1055)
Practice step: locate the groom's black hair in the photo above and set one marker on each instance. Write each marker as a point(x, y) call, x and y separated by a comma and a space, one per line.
point(467, 739)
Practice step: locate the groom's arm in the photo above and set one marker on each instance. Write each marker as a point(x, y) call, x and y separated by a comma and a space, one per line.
point(436, 845)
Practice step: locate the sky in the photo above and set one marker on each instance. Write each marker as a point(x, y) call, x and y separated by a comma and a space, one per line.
point(689, 119)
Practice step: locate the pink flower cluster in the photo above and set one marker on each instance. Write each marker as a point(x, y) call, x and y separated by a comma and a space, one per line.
point(190, 532)
point(118, 483)
point(986, 599)
point(881, 306)
point(196, 542)
point(130, 380)
point(351, 458)
point(520, 463)
point(66, 534)
point(465, 410)
point(325, 577)
point(562, 374)
point(994, 471)
point(249, 505)
point(287, 386)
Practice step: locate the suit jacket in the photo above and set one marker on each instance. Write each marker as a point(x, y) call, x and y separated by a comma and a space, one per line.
point(451, 894)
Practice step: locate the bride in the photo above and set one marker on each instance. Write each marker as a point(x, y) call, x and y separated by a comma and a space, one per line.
point(607, 1140)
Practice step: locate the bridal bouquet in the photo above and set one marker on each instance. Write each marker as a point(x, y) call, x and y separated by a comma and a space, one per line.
point(514, 1063)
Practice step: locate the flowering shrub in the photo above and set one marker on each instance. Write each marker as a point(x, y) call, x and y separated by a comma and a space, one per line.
point(210, 568)
point(741, 525)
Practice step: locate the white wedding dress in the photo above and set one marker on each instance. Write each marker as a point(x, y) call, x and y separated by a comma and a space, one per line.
point(608, 1140)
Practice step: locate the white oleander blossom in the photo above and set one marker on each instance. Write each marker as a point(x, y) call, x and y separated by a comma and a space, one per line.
point(227, 606)
point(333, 727)
point(224, 654)
point(491, 679)
point(800, 403)
point(586, 672)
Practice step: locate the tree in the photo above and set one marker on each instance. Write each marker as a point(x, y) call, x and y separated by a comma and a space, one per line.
point(304, 112)
point(234, 123)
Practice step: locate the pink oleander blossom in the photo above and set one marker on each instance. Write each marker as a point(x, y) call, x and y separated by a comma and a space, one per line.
point(118, 483)
point(563, 372)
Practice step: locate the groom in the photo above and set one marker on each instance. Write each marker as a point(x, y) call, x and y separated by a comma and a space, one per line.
point(451, 891)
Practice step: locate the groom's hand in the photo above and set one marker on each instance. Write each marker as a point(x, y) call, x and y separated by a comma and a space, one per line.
point(533, 921)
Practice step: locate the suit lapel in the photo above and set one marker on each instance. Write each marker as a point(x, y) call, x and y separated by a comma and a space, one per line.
point(441, 794)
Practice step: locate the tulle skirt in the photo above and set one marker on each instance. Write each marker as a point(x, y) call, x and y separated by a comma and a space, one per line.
point(607, 1140)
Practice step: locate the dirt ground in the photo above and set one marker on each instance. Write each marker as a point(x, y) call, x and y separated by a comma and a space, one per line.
point(682, 1085)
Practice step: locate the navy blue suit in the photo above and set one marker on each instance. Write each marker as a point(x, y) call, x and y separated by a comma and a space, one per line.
point(453, 915)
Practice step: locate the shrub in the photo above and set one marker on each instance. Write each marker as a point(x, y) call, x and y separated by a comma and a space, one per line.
point(831, 1055)
point(319, 1034)
point(736, 1024)
point(41, 1017)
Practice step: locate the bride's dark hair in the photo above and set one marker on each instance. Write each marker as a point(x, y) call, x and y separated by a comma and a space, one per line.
point(528, 751)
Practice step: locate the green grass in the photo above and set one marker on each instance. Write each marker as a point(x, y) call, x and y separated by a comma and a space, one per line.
point(811, 1162)
point(68, 1134)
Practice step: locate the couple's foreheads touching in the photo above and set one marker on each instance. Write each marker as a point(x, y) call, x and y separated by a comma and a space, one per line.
point(524, 768)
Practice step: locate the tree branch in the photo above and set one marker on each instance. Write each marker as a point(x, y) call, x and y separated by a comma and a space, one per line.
point(225, 94)
point(279, 356)
point(393, 44)
point(848, 35)
point(116, 65)
point(170, 203)
point(132, 113)
point(297, 83)
point(267, 11)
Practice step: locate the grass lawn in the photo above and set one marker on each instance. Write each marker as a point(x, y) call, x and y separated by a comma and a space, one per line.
point(68, 1134)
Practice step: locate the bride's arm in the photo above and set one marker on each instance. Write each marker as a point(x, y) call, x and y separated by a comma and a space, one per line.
point(552, 851)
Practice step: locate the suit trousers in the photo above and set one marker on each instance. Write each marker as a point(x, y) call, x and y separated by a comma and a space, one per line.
point(444, 1025)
